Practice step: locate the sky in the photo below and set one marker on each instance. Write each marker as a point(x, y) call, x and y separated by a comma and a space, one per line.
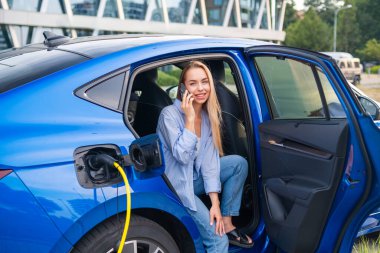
point(299, 4)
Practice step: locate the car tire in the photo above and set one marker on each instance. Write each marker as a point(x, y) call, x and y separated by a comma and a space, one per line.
point(143, 236)
point(356, 80)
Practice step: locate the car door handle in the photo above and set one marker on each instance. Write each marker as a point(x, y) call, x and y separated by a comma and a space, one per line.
point(275, 143)
point(302, 149)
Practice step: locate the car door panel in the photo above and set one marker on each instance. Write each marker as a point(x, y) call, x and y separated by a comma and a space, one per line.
point(300, 161)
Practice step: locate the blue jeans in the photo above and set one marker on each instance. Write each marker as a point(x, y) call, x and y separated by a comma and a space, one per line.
point(233, 172)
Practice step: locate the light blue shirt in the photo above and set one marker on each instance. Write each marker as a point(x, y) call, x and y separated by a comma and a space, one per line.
point(179, 147)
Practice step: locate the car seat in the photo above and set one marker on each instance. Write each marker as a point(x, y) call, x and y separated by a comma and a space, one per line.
point(234, 135)
point(151, 100)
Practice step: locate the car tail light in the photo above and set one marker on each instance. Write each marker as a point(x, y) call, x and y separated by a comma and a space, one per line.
point(4, 173)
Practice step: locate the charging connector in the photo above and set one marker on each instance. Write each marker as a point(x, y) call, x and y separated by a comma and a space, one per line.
point(96, 162)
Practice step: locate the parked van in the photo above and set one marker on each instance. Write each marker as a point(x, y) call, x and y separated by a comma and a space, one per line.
point(350, 66)
point(351, 69)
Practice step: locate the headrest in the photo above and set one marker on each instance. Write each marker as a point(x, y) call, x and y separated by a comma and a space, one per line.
point(145, 79)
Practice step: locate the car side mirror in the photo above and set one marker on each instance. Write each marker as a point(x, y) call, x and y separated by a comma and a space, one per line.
point(370, 107)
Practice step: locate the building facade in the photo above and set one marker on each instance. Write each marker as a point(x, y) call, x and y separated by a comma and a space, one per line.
point(23, 21)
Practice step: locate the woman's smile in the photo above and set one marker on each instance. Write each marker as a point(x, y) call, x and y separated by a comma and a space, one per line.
point(198, 85)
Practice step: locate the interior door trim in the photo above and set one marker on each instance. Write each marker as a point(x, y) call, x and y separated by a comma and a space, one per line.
point(320, 59)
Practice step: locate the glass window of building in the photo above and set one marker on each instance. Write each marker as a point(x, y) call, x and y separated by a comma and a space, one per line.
point(178, 10)
point(24, 34)
point(84, 32)
point(85, 7)
point(56, 6)
point(197, 18)
point(137, 9)
point(249, 12)
point(24, 5)
point(216, 10)
point(5, 41)
point(111, 9)
point(233, 18)
point(106, 32)
point(278, 7)
point(264, 20)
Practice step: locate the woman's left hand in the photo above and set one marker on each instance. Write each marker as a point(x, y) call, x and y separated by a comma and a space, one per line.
point(216, 216)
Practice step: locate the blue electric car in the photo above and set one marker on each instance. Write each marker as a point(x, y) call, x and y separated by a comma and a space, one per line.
point(313, 150)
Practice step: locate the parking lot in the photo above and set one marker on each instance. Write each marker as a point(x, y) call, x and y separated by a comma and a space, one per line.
point(370, 84)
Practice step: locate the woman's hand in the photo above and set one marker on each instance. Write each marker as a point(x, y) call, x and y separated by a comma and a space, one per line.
point(188, 109)
point(216, 215)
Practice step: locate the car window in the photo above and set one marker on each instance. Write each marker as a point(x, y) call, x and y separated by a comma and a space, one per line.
point(168, 78)
point(334, 106)
point(229, 79)
point(20, 66)
point(108, 92)
point(292, 88)
point(357, 65)
point(342, 65)
point(154, 88)
point(349, 64)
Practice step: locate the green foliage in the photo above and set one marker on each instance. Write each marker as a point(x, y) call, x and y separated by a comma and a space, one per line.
point(348, 32)
point(176, 72)
point(366, 245)
point(371, 51)
point(375, 69)
point(309, 33)
point(368, 19)
point(166, 80)
point(229, 77)
point(324, 8)
point(290, 13)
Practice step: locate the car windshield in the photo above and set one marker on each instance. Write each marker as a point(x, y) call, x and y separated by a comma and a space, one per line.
point(20, 66)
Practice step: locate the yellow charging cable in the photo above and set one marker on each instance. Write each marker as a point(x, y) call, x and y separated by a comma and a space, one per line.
point(128, 216)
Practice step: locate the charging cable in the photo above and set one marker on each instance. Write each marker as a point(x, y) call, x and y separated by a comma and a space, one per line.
point(128, 215)
point(95, 162)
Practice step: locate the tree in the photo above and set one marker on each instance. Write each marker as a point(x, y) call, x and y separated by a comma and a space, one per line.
point(348, 32)
point(309, 33)
point(369, 19)
point(290, 13)
point(371, 51)
point(324, 8)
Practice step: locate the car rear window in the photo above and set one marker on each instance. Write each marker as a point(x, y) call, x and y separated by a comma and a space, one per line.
point(20, 66)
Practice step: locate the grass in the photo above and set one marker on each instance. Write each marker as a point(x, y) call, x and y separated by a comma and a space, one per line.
point(367, 245)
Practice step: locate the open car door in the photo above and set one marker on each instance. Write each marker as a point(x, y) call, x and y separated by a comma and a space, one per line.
point(313, 162)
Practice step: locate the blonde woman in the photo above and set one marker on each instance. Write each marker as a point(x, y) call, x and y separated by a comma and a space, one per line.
point(190, 133)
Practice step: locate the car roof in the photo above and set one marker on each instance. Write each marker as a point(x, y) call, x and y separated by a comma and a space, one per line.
point(102, 45)
point(17, 65)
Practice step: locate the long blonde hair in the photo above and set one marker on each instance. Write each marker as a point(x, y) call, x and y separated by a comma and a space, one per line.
point(212, 105)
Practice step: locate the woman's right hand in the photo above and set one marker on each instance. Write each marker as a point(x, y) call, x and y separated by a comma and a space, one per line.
point(188, 109)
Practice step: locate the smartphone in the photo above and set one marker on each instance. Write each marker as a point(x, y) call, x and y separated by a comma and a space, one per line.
point(182, 89)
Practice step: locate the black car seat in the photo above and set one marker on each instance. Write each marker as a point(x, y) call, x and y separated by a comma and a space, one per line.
point(151, 100)
point(234, 135)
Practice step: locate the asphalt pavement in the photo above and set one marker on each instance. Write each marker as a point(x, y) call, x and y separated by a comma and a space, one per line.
point(370, 81)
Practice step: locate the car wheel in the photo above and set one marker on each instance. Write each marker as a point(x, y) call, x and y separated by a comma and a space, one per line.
point(143, 236)
point(356, 80)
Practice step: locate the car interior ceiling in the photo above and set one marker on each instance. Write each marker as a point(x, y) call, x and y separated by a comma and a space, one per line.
point(148, 99)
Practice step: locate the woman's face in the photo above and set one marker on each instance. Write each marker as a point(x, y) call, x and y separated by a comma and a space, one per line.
point(197, 83)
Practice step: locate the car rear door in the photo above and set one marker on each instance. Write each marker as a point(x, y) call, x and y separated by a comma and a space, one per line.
point(314, 165)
